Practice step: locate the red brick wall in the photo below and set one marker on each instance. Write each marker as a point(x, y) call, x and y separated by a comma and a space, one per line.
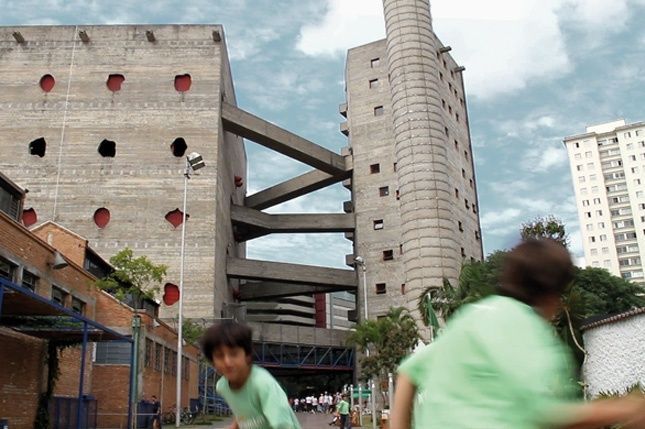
point(66, 242)
point(110, 387)
point(70, 365)
point(21, 377)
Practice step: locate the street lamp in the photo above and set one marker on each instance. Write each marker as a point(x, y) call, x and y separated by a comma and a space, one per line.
point(194, 162)
point(359, 261)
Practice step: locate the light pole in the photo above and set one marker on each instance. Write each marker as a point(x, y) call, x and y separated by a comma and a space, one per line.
point(194, 162)
point(361, 262)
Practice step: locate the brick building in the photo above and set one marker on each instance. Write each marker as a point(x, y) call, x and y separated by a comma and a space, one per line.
point(27, 261)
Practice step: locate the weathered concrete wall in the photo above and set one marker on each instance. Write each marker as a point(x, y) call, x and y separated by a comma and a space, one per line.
point(615, 356)
point(298, 334)
point(422, 97)
point(144, 181)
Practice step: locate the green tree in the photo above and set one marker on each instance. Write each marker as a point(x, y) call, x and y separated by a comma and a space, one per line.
point(388, 339)
point(134, 278)
point(545, 227)
point(192, 331)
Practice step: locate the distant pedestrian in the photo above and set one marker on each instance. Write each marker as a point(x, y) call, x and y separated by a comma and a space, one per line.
point(343, 411)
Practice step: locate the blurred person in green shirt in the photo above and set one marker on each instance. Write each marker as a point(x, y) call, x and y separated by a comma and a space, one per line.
point(255, 397)
point(343, 411)
point(499, 364)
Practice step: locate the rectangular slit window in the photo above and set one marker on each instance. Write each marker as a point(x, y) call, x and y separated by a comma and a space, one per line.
point(29, 280)
point(388, 255)
point(378, 224)
point(59, 296)
point(384, 191)
point(380, 288)
point(7, 269)
point(374, 83)
point(375, 168)
point(78, 306)
point(375, 62)
point(378, 111)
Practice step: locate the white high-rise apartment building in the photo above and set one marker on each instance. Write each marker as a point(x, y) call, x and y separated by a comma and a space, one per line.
point(608, 170)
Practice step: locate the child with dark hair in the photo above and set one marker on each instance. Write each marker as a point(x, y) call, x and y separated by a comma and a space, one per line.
point(255, 397)
point(499, 364)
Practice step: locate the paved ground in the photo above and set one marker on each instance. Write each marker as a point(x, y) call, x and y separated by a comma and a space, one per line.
point(308, 421)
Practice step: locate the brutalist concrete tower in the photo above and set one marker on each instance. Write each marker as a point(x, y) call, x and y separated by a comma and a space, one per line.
point(413, 189)
point(426, 201)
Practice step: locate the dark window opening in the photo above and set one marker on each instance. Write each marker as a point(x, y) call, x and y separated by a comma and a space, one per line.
point(178, 147)
point(471, 183)
point(398, 194)
point(457, 117)
point(378, 224)
point(388, 255)
point(158, 356)
point(113, 353)
point(107, 149)
point(443, 103)
point(384, 191)
point(463, 173)
point(38, 147)
point(175, 217)
point(375, 168)
point(378, 111)
point(78, 306)
point(456, 193)
point(182, 82)
point(148, 355)
point(477, 237)
point(102, 217)
point(114, 82)
point(7, 269)
point(466, 204)
point(47, 82)
point(401, 249)
point(445, 130)
point(456, 145)
point(59, 296)
point(466, 154)
point(461, 226)
point(29, 280)
point(394, 166)
point(402, 288)
point(380, 288)
point(29, 217)
point(463, 252)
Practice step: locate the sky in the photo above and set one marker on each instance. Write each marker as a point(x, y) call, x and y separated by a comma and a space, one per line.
point(536, 71)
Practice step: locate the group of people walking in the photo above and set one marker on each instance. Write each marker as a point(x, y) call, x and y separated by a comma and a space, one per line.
point(323, 403)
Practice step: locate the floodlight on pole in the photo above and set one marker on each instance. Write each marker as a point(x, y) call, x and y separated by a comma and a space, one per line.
point(194, 162)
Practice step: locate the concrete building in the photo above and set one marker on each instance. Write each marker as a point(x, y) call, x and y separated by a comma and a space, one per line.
point(607, 164)
point(96, 122)
point(414, 192)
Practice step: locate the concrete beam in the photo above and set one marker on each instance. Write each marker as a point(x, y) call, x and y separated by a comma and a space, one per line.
point(280, 140)
point(251, 291)
point(253, 223)
point(293, 188)
point(291, 273)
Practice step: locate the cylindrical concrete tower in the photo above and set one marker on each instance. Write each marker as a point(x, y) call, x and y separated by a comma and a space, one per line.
point(431, 251)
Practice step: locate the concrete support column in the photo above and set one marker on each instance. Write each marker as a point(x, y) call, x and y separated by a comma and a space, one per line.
point(421, 141)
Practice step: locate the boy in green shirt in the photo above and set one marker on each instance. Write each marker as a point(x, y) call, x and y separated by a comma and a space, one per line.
point(255, 397)
point(499, 364)
point(343, 410)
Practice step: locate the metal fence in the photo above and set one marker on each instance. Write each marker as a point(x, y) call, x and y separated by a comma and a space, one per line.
point(64, 411)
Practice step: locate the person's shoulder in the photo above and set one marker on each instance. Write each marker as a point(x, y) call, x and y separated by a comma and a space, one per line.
point(222, 385)
point(261, 376)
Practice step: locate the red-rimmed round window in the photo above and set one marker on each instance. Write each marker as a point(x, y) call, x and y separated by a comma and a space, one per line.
point(183, 82)
point(170, 293)
point(175, 217)
point(114, 82)
point(102, 217)
point(29, 217)
point(47, 82)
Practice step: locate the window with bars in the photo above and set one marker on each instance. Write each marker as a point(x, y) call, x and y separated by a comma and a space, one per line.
point(167, 360)
point(148, 357)
point(29, 280)
point(59, 296)
point(7, 269)
point(158, 356)
point(380, 288)
point(78, 306)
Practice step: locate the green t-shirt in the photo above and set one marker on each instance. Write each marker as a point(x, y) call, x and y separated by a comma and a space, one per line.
point(260, 403)
point(343, 407)
point(498, 364)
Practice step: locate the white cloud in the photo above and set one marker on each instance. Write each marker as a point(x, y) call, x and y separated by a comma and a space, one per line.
point(496, 218)
point(505, 44)
point(544, 159)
